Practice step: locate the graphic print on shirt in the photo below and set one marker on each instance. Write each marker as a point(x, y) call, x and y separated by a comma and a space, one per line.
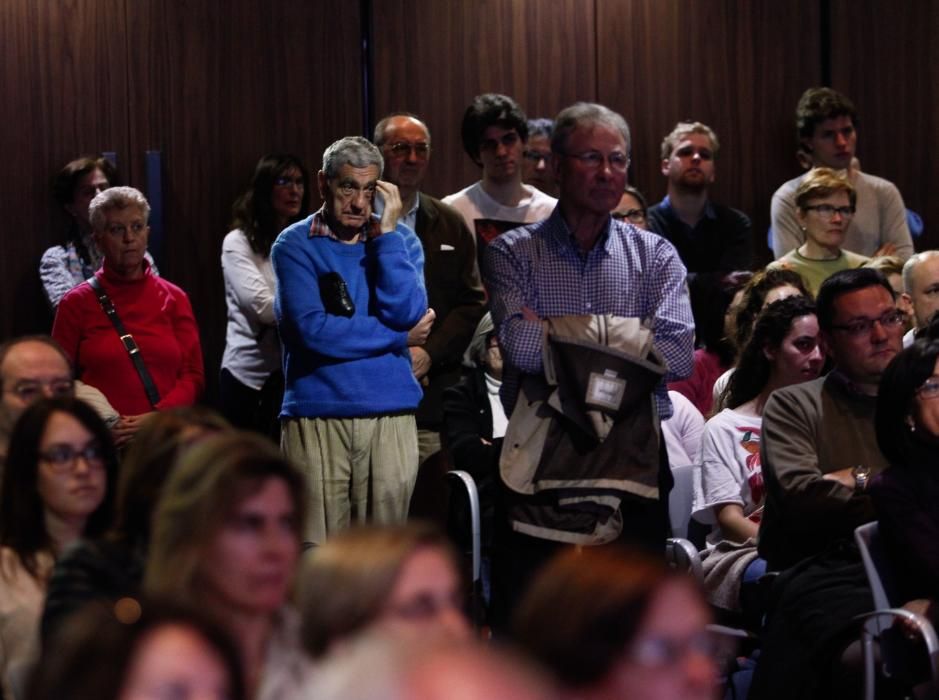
point(750, 442)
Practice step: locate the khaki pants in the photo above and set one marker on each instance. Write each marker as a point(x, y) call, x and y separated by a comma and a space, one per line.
point(428, 444)
point(358, 469)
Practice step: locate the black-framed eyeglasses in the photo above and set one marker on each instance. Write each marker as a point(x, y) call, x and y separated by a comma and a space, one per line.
point(537, 156)
point(402, 149)
point(63, 457)
point(288, 181)
point(863, 326)
point(634, 215)
point(29, 390)
point(827, 211)
point(929, 389)
point(594, 160)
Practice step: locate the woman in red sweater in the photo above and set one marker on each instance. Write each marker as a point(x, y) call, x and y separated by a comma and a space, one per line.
point(155, 314)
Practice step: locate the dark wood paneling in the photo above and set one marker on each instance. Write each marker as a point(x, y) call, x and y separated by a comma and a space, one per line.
point(64, 94)
point(433, 57)
point(885, 57)
point(737, 66)
point(213, 86)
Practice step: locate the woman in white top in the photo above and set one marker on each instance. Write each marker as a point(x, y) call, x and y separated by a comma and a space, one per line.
point(251, 382)
point(782, 350)
point(57, 486)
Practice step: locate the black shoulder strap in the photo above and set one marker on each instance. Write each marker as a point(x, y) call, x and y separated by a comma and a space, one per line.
point(127, 339)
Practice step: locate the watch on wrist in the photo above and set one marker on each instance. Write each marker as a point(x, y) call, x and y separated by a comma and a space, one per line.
point(861, 476)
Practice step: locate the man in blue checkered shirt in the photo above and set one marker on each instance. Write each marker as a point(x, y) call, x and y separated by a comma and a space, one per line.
point(580, 261)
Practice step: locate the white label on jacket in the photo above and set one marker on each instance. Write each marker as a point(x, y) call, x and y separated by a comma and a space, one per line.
point(605, 390)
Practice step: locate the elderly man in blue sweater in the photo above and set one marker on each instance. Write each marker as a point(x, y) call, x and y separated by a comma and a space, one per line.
point(350, 297)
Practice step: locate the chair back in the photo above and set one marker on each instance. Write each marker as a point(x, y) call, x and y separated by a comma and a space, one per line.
point(876, 565)
point(680, 499)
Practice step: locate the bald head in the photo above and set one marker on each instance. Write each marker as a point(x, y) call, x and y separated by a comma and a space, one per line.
point(921, 285)
point(404, 141)
point(30, 368)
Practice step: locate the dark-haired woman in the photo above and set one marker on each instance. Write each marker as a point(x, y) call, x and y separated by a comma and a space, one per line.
point(56, 488)
point(906, 495)
point(251, 379)
point(783, 350)
point(71, 263)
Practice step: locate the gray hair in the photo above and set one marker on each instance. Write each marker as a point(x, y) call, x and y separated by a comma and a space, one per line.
point(540, 127)
point(585, 114)
point(116, 198)
point(356, 151)
point(475, 354)
point(910, 265)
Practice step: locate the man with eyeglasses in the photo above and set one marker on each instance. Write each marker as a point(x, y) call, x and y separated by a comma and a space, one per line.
point(536, 168)
point(31, 367)
point(350, 299)
point(709, 237)
point(494, 133)
point(826, 128)
point(583, 262)
point(819, 452)
point(454, 291)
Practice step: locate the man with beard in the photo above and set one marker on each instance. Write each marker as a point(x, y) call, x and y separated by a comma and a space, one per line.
point(710, 238)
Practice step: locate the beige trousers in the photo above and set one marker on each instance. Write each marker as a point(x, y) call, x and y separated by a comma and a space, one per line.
point(358, 469)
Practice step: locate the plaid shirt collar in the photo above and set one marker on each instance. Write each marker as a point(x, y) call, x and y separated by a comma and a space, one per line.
point(320, 227)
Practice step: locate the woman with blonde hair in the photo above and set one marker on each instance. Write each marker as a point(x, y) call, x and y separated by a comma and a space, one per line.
point(402, 577)
point(825, 206)
point(226, 539)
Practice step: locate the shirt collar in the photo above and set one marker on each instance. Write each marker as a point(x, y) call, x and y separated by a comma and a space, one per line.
point(709, 212)
point(320, 227)
point(565, 236)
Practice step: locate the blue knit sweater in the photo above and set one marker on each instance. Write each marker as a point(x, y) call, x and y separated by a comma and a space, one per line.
point(336, 366)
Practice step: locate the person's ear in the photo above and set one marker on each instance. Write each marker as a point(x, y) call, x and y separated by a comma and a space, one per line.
point(321, 184)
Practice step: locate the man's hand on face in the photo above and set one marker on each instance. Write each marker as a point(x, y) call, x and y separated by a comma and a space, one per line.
point(393, 207)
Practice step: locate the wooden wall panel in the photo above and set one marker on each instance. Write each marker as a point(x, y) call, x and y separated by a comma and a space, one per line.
point(886, 59)
point(737, 66)
point(213, 86)
point(64, 95)
point(433, 57)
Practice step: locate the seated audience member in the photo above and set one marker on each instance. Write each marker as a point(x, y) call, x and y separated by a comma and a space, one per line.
point(494, 133)
point(825, 204)
point(475, 420)
point(905, 495)
point(613, 624)
point(765, 287)
point(226, 539)
point(537, 170)
point(711, 298)
point(632, 208)
point(891, 267)
point(145, 354)
point(57, 487)
point(783, 350)
point(111, 566)
point(921, 290)
point(71, 263)
point(826, 124)
point(818, 451)
point(428, 669)
point(135, 650)
point(251, 384)
point(682, 432)
point(709, 237)
point(403, 579)
point(31, 367)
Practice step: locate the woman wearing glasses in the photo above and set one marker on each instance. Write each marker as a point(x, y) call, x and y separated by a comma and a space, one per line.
point(905, 495)
point(825, 205)
point(251, 382)
point(57, 485)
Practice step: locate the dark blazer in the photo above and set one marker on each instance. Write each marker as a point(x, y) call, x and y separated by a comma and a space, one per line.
point(454, 292)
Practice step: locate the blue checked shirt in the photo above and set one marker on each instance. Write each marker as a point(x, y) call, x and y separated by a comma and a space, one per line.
point(629, 272)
